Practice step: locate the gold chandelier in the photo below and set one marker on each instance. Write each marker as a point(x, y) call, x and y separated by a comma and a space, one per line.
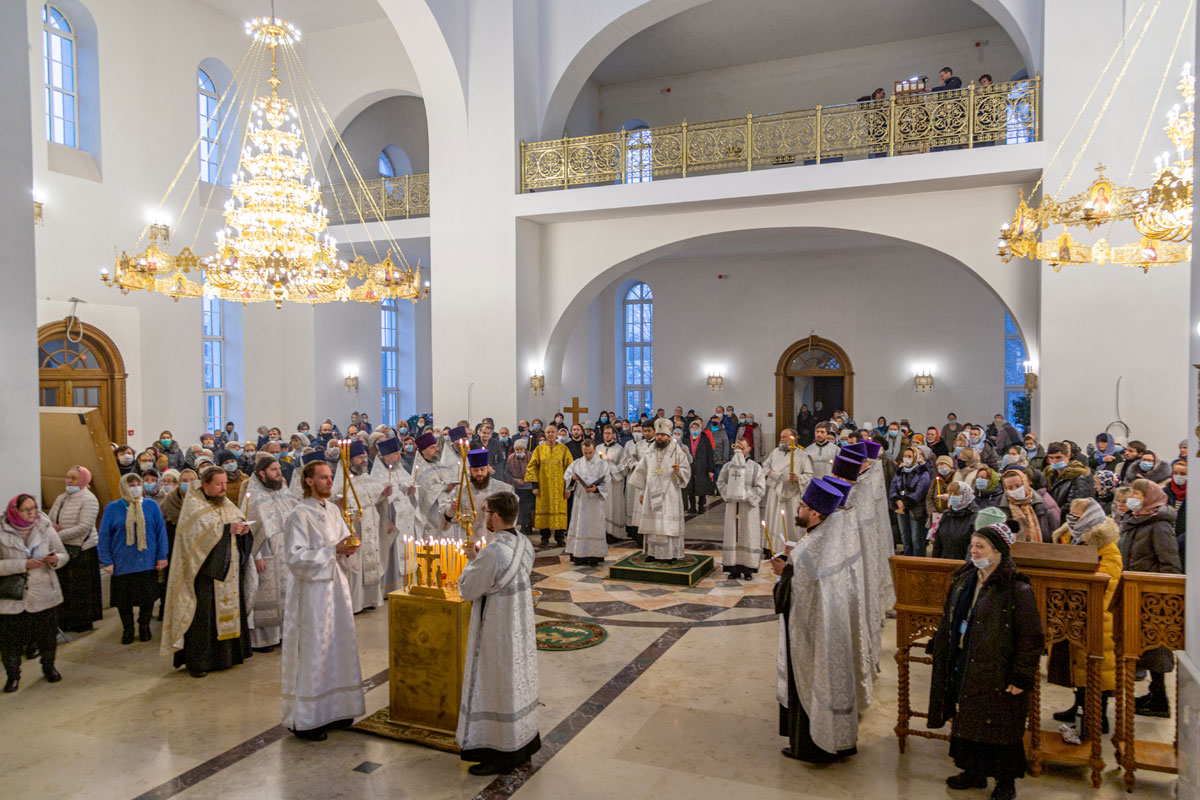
point(1161, 214)
point(273, 246)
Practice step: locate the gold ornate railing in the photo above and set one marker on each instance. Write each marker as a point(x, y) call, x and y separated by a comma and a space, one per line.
point(371, 201)
point(977, 116)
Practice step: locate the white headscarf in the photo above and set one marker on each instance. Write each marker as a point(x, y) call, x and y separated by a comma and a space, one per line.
point(135, 519)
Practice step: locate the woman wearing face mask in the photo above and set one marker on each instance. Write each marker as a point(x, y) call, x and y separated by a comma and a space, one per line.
point(126, 459)
point(146, 461)
point(30, 555)
point(1034, 452)
point(1148, 544)
point(73, 516)
point(701, 446)
point(170, 448)
point(408, 452)
point(1088, 524)
point(986, 655)
point(133, 548)
point(953, 536)
point(1017, 459)
point(894, 442)
point(1177, 499)
point(986, 483)
point(937, 498)
point(907, 492)
point(1105, 483)
point(1024, 508)
point(969, 464)
point(748, 429)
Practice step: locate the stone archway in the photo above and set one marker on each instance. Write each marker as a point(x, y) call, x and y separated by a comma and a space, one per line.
point(80, 366)
point(822, 362)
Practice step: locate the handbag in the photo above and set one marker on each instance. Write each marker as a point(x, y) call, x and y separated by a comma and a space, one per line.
point(12, 587)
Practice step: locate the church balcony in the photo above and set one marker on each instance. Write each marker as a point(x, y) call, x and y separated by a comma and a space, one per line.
point(906, 123)
point(402, 197)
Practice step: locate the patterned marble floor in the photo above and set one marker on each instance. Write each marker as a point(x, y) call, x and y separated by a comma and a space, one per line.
point(678, 702)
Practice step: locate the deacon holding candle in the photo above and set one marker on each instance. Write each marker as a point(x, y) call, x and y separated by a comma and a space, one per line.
point(787, 471)
point(480, 484)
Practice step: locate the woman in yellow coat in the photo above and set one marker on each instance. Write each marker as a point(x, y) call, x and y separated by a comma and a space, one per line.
point(1086, 523)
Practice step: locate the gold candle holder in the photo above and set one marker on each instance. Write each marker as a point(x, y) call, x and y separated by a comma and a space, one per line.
point(349, 516)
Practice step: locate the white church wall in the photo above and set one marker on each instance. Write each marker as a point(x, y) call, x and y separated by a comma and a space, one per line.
point(888, 309)
point(396, 121)
point(346, 338)
point(805, 81)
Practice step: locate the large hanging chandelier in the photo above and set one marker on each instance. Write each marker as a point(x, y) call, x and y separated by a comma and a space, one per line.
point(273, 246)
point(1161, 215)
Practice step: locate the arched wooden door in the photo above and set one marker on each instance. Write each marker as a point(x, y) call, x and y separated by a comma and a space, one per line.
point(82, 368)
point(826, 365)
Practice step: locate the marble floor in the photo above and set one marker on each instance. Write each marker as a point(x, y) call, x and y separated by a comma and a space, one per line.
point(679, 701)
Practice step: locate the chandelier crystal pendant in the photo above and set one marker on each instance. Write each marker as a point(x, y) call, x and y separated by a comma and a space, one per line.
point(273, 246)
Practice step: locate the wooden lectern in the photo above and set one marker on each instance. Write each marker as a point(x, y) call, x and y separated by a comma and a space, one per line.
point(1148, 612)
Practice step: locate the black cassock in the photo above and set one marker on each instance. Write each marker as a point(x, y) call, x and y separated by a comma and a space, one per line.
point(202, 650)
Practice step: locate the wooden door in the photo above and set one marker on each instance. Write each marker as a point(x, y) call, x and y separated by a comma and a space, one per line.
point(79, 366)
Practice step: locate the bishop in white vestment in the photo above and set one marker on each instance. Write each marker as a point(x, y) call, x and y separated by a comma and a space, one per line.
point(366, 590)
point(619, 465)
point(659, 479)
point(322, 681)
point(498, 718)
point(268, 506)
point(742, 484)
point(588, 477)
point(783, 490)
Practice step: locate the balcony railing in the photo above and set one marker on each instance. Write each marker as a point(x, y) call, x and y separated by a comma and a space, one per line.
point(977, 116)
point(375, 200)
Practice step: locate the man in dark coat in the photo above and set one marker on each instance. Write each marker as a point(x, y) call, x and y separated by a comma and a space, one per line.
point(1066, 479)
point(701, 445)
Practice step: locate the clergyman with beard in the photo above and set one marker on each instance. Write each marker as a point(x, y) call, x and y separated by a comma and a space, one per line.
point(482, 484)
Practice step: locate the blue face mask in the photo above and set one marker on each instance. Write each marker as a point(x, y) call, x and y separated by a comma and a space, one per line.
point(1147, 466)
point(958, 451)
point(715, 426)
point(973, 439)
point(504, 439)
point(1031, 450)
point(957, 502)
point(403, 431)
point(183, 487)
point(893, 433)
point(562, 438)
point(537, 426)
point(408, 448)
point(1058, 465)
point(603, 420)
point(981, 484)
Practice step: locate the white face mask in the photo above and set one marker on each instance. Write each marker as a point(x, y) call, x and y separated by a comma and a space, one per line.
point(135, 491)
point(908, 462)
point(73, 489)
point(981, 563)
point(1134, 504)
point(1018, 493)
point(637, 436)
point(1180, 480)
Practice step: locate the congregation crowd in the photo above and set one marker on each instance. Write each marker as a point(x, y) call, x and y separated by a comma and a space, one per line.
point(961, 491)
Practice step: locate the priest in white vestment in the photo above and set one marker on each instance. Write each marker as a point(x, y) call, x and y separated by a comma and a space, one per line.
point(267, 509)
point(619, 465)
point(742, 484)
point(819, 672)
point(787, 471)
point(498, 718)
point(480, 484)
point(848, 470)
point(322, 681)
point(366, 590)
point(432, 479)
point(883, 544)
point(458, 438)
point(659, 479)
point(397, 513)
point(588, 478)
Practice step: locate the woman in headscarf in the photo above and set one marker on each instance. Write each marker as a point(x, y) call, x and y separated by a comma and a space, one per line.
point(73, 516)
point(30, 553)
point(1016, 458)
point(1148, 544)
point(967, 461)
point(1106, 454)
point(986, 483)
point(1106, 483)
point(1088, 524)
point(985, 662)
point(953, 536)
point(133, 547)
point(1025, 510)
point(1035, 453)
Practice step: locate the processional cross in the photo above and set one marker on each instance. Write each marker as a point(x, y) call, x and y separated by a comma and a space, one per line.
point(575, 410)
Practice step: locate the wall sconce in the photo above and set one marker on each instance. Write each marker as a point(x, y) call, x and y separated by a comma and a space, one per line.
point(38, 219)
point(1031, 379)
point(715, 382)
point(537, 384)
point(352, 379)
point(923, 381)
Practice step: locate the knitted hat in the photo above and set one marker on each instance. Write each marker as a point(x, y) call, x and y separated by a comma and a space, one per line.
point(989, 516)
point(523, 443)
point(1000, 536)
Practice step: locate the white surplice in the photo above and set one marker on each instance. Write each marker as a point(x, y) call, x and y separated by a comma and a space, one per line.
point(633, 456)
point(432, 479)
point(827, 633)
point(614, 505)
point(742, 485)
point(322, 681)
point(884, 544)
point(397, 522)
point(585, 534)
point(499, 709)
point(659, 512)
point(821, 457)
point(876, 568)
point(783, 493)
point(366, 590)
point(268, 511)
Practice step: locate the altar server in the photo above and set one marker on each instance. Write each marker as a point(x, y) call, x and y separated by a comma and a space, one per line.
point(787, 472)
point(432, 478)
point(619, 466)
point(742, 484)
point(658, 479)
point(322, 682)
point(366, 588)
point(588, 478)
point(498, 718)
point(397, 512)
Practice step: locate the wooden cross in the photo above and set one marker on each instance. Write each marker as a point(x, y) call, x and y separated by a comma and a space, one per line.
point(428, 555)
point(574, 410)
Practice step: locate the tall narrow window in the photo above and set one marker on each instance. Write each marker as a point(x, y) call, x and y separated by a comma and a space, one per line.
point(210, 128)
point(1014, 367)
point(639, 351)
point(386, 168)
point(639, 156)
point(59, 78)
point(213, 336)
point(389, 324)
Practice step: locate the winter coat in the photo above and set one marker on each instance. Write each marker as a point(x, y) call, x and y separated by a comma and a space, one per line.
point(702, 463)
point(1148, 543)
point(989, 498)
point(76, 514)
point(42, 590)
point(953, 536)
point(937, 485)
point(721, 450)
point(1039, 508)
point(1104, 538)
point(911, 489)
point(988, 455)
point(1069, 483)
point(1130, 472)
point(1003, 647)
point(175, 459)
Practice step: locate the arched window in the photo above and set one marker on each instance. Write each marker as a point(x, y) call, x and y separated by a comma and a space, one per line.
point(59, 78)
point(213, 336)
point(639, 152)
point(1014, 368)
point(638, 340)
point(386, 169)
point(389, 329)
point(210, 127)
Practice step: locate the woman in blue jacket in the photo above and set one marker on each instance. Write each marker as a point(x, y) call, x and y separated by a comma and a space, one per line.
point(133, 549)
